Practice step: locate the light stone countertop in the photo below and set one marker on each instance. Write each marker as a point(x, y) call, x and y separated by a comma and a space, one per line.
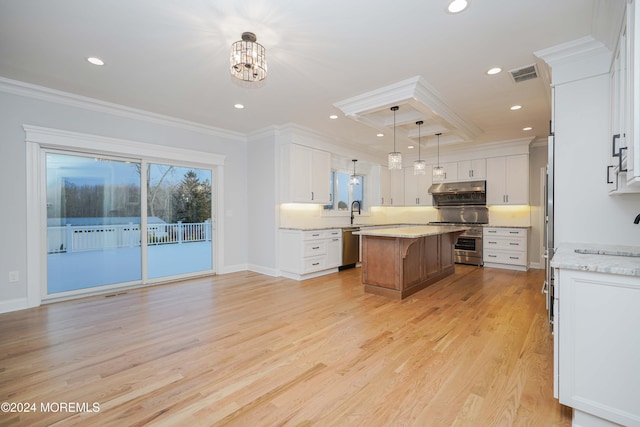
point(412, 232)
point(612, 259)
point(333, 227)
point(397, 224)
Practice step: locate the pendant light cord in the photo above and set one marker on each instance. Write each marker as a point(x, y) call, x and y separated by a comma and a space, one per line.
point(419, 156)
point(394, 129)
point(438, 134)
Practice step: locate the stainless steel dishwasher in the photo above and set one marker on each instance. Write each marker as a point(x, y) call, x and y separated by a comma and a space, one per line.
point(350, 247)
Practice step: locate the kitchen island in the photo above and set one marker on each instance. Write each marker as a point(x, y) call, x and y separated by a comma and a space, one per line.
point(397, 262)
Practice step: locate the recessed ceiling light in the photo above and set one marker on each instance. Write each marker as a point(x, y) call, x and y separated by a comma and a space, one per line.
point(95, 61)
point(457, 6)
point(410, 146)
point(380, 135)
point(527, 128)
point(494, 70)
point(516, 107)
point(333, 117)
point(238, 106)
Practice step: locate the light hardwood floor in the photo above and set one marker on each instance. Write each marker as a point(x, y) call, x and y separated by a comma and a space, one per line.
point(251, 350)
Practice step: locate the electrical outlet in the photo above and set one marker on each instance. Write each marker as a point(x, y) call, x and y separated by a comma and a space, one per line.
point(14, 276)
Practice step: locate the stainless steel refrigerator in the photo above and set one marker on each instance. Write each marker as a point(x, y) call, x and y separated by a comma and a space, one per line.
point(548, 286)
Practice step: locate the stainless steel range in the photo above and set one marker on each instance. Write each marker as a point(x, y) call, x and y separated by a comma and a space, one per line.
point(463, 203)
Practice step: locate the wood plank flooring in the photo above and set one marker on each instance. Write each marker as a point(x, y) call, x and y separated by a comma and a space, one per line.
point(250, 350)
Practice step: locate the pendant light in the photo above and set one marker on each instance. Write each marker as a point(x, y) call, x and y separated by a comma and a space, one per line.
point(354, 179)
point(395, 157)
point(419, 166)
point(438, 171)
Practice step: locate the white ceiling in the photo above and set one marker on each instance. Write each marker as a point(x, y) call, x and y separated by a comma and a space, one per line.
point(172, 57)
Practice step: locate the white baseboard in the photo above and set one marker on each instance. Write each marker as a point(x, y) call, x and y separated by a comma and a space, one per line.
point(273, 272)
point(505, 266)
point(300, 277)
point(14, 305)
point(233, 268)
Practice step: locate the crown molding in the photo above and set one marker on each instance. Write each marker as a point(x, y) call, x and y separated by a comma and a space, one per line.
point(15, 87)
point(576, 60)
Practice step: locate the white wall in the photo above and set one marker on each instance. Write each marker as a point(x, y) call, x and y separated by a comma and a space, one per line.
point(44, 110)
point(262, 204)
point(584, 212)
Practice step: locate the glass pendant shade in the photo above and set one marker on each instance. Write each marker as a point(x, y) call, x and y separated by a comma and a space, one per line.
point(248, 59)
point(354, 179)
point(395, 160)
point(438, 172)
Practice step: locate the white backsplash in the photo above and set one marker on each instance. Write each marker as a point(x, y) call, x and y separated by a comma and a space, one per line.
point(296, 215)
point(515, 216)
point(309, 216)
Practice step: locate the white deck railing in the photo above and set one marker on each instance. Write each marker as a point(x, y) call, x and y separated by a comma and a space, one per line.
point(83, 238)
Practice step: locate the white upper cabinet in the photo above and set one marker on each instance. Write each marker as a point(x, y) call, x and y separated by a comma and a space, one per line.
point(508, 180)
point(472, 170)
point(396, 185)
point(385, 189)
point(305, 174)
point(450, 172)
point(623, 169)
point(416, 188)
point(391, 187)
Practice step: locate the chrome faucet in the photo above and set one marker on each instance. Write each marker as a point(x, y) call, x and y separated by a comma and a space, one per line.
point(352, 205)
point(637, 220)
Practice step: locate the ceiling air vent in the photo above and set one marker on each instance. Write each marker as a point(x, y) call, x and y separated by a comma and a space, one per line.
point(525, 73)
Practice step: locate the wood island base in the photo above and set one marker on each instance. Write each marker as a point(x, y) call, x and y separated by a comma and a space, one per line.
point(397, 267)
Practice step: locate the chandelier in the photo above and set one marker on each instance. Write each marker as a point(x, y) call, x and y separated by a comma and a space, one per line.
point(395, 157)
point(248, 59)
point(419, 166)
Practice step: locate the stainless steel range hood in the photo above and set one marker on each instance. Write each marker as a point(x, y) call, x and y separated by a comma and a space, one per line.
point(458, 187)
point(463, 193)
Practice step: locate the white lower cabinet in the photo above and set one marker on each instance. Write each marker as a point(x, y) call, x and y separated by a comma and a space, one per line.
point(309, 253)
point(505, 248)
point(597, 346)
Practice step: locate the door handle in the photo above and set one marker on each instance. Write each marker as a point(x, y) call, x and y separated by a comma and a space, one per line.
point(620, 160)
point(615, 153)
point(609, 174)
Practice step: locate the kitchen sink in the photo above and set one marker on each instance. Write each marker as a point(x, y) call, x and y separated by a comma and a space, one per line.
point(608, 252)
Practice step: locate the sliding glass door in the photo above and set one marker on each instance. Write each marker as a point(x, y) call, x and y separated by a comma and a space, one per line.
point(178, 220)
point(93, 222)
point(95, 212)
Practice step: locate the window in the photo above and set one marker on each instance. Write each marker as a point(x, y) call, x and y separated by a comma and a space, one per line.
point(343, 194)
